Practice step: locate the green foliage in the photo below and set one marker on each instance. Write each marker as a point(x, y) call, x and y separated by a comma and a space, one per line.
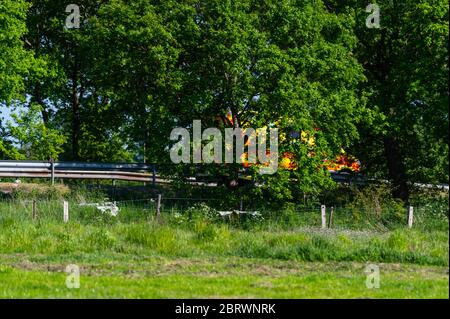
point(116, 87)
point(203, 212)
point(374, 204)
point(37, 140)
point(406, 64)
point(136, 70)
point(8, 151)
point(15, 61)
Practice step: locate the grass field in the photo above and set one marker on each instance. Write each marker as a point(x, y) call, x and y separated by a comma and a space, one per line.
point(192, 254)
point(121, 276)
point(202, 259)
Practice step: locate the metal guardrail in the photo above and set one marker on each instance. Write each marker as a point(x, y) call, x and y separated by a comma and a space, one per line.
point(79, 170)
point(77, 165)
point(136, 172)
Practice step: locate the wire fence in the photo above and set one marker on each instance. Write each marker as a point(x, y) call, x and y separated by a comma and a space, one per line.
point(138, 210)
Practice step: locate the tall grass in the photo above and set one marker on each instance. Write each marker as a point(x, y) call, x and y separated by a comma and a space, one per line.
point(428, 217)
point(367, 230)
point(202, 238)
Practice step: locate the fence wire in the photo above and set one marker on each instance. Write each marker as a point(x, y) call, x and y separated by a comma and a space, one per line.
point(138, 210)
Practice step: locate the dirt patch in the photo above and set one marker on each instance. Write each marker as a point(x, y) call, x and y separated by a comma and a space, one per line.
point(28, 188)
point(217, 268)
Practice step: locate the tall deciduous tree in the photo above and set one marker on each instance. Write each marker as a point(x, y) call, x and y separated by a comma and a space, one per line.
point(14, 59)
point(36, 141)
point(406, 63)
point(16, 63)
point(69, 98)
point(284, 63)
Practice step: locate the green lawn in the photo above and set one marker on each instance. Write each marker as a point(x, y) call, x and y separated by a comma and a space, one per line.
point(149, 277)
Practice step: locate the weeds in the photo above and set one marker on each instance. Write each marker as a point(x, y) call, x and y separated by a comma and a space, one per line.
point(371, 228)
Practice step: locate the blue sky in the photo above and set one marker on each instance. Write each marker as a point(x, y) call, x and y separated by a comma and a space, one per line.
point(5, 113)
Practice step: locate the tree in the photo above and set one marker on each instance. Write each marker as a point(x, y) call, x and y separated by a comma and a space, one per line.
point(15, 61)
point(36, 141)
point(69, 100)
point(406, 64)
point(284, 63)
point(135, 64)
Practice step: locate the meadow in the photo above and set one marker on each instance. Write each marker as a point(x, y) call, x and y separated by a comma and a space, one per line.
point(193, 253)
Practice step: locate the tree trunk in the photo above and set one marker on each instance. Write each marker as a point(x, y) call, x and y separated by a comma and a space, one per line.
point(38, 99)
point(75, 116)
point(396, 169)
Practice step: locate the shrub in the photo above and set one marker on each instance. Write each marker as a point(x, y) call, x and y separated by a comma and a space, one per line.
point(375, 204)
point(202, 211)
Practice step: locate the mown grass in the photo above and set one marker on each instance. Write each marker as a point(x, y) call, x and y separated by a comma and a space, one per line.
point(150, 277)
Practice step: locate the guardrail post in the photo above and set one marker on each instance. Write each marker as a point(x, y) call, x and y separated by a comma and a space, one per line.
point(52, 166)
point(154, 175)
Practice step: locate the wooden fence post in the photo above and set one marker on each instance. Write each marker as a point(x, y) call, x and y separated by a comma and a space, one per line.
point(410, 216)
point(34, 210)
point(158, 206)
point(324, 216)
point(66, 211)
point(331, 217)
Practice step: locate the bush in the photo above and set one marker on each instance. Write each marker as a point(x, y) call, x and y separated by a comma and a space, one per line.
point(201, 211)
point(375, 204)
